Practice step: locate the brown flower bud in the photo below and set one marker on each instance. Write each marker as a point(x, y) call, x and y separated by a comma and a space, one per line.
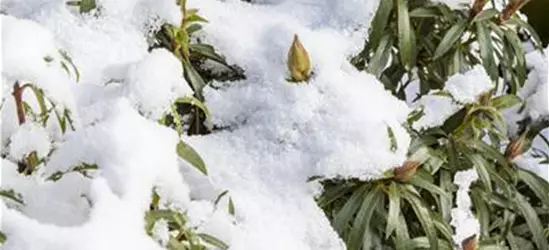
point(299, 63)
point(469, 243)
point(515, 148)
point(407, 171)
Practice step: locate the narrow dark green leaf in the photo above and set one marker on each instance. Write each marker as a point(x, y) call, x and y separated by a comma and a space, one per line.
point(194, 79)
point(402, 235)
point(334, 193)
point(538, 185)
point(394, 210)
point(423, 214)
point(188, 154)
point(3, 237)
point(488, 151)
point(505, 101)
point(87, 5)
point(424, 12)
point(346, 213)
point(486, 50)
point(12, 195)
point(362, 219)
point(194, 102)
point(207, 51)
point(406, 36)
point(450, 38)
point(446, 202)
point(231, 207)
point(428, 186)
point(392, 139)
point(481, 211)
point(213, 241)
point(381, 56)
point(377, 27)
point(481, 167)
point(532, 220)
point(485, 14)
point(517, 21)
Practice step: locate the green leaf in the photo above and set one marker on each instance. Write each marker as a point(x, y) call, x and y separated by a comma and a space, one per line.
point(515, 20)
point(377, 27)
point(207, 51)
point(538, 185)
point(488, 151)
point(68, 58)
point(194, 79)
point(193, 28)
point(481, 165)
point(392, 139)
point(194, 102)
point(402, 235)
point(481, 211)
point(532, 220)
point(485, 14)
point(450, 38)
point(446, 202)
point(381, 56)
point(3, 237)
point(193, 17)
point(423, 214)
point(406, 36)
point(231, 207)
point(424, 12)
point(362, 219)
point(424, 243)
point(333, 193)
point(346, 213)
point(505, 101)
point(486, 50)
point(419, 181)
point(188, 154)
point(394, 210)
point(213, 241)
point(12, 195)
point(87, 5)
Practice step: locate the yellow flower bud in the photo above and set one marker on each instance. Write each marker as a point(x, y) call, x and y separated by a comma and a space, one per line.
point(299, 63)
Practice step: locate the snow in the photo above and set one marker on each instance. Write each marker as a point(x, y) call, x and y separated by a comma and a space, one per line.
point(280, 133)
point(27, 139)
point(463, 220)
point(466, 88)
point(153, 88)
point(436, 109)
point(161, 232)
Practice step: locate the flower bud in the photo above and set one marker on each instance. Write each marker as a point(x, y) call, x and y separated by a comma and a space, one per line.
point(407, 171)
point(469, 243)
point(299, 63)
point(515, 148)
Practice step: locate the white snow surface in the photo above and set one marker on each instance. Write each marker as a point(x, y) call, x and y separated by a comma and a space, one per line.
point(278, 134)
point(466, 88)
point(463, 219)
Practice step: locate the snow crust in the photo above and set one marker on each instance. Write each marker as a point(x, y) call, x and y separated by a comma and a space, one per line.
point(463, 219)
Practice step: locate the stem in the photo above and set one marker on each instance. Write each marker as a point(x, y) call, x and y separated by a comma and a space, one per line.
point(31, 160)
point(18, 96)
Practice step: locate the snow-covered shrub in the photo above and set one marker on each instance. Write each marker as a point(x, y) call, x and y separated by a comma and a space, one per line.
point(463, 68)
